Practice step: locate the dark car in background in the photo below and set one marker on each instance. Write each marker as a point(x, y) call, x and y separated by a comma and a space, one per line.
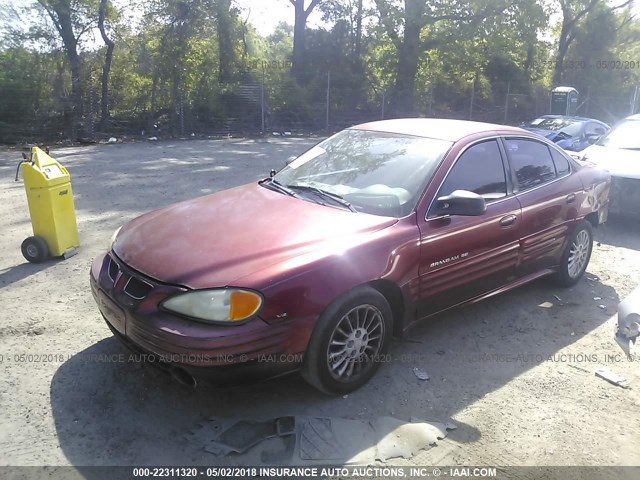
point(317, 267)
point(570, 133)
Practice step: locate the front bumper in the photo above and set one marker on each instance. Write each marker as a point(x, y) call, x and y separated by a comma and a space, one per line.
point(628, 327)
point(129, 303)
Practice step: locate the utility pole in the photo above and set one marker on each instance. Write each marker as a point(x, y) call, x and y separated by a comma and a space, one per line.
point(473, 91)
point(262, 101)
point(328, 88)
point(506, 103)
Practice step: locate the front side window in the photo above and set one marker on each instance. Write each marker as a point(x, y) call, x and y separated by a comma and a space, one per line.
point(480, 170)
point(531, 161)
point(376, 172)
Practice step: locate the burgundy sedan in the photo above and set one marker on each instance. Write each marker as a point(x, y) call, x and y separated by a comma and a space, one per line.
point(317, 267)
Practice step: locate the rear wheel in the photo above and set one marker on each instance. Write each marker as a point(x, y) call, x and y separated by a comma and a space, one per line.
point(576, 255)
point(35, 249)
point(348, 342)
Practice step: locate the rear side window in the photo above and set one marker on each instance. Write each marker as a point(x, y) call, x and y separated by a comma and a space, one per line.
point(560, 161)
point(531, 162)
point(480, 170)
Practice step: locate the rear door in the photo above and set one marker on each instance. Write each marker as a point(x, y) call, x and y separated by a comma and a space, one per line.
point(462, 257)
point(547, 193)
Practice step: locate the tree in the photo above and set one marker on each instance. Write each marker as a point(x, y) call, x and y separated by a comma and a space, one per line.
point(71, 19)
point(414, 30)
point(354, 13)
point(573, 12)
point(226, 51)
point(106, 68)
point(299, 35)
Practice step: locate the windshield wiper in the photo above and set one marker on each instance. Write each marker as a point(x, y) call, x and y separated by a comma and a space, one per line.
point(323, 193)
point(269, 182)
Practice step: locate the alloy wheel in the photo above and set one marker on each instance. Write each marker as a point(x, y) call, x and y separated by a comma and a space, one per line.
point(578, 254)
point(355, 342)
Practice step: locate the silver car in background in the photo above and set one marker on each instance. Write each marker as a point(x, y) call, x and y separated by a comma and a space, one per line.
point(619, 152)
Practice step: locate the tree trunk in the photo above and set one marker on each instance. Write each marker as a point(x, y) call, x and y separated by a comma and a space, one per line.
point(403, 92)
point(531, 50)
point(106, 67)
point(226, 54)
point(299, 45)
point(570, 21)
point(563, 47)
point(60, 13)
point(299, 37)
point(357, 51)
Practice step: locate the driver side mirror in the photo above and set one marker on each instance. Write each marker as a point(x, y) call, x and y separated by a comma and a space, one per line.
point(461, 202)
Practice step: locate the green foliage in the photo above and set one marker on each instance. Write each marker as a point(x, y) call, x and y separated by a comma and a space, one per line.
point(197, 65)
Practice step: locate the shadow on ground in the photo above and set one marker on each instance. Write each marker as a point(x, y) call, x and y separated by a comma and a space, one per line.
point(24, 270)
point(111, 411)
point(620, 232)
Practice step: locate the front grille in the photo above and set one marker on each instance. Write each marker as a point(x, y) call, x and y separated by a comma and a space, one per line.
point(137, 288)
point(113, 269)
point(134, 286)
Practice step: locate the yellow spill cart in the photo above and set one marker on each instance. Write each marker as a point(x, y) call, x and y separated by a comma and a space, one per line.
point(53, 216)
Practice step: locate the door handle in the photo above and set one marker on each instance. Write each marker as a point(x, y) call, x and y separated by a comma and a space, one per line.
point(571, 198)
point(507, 221)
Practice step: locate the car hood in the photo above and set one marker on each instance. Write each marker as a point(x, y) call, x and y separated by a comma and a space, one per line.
point(619, 162)
point(216, 239)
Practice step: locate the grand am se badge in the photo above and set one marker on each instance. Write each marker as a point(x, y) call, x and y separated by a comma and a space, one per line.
point(448, 260)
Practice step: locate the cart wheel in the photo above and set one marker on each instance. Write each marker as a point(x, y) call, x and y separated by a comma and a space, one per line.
point(35, 249)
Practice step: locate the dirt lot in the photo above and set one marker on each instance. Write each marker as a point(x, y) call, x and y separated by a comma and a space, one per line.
point(514, 373)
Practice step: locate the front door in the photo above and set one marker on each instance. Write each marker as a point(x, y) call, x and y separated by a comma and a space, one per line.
point(463, 257)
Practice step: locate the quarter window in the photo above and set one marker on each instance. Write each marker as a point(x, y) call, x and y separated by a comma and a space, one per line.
point(480, 170)
point(560, 161)
point(531, 161)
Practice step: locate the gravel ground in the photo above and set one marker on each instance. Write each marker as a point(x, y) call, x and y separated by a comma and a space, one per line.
point(515, 372)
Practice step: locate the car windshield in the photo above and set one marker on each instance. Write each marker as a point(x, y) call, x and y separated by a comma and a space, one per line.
point(376, 172)
point(625, 135)
point(569, 126)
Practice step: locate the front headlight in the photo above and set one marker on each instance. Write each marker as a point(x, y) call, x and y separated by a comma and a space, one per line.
point(113, 238)
point(220, 305)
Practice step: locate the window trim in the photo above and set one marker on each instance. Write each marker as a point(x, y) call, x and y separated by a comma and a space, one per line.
point(517, 190)
point(506, 168)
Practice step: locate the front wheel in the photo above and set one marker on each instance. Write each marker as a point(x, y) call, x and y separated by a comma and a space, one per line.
point(349, 341)
point(576, 256)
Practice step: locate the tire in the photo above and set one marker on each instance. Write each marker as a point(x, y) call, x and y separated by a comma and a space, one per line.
point(35, 249)
point(580, 243)
point(337, 368)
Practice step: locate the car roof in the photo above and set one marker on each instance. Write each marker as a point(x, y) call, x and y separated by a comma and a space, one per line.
point(438, 128)
point(573, 117)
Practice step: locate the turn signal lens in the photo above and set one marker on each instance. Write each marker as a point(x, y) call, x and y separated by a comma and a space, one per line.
point(243, 304)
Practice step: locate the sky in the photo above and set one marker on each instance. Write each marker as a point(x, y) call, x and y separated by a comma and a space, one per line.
point(264, 15)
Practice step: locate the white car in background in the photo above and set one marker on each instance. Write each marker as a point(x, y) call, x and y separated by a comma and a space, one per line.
point(619, 152)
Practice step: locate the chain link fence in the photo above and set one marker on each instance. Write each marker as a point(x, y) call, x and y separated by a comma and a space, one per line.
point(258, 105)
